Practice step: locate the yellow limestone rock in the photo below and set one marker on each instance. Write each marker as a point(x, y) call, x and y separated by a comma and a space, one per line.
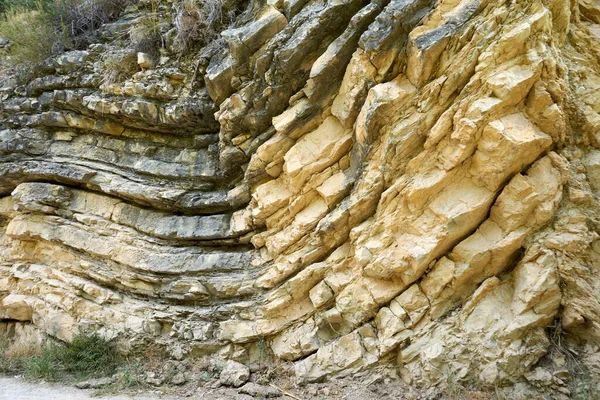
point(15, 307)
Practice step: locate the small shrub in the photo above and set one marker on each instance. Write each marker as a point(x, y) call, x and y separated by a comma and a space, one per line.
point(13, 352)
point(30, 33)
point(80, 20)
point(45, 367)
point(145, 35)
point(129, 378)
point(118, 65)
point(86, 356)
point(199, 21)
point(37, 29)
point(90, 355)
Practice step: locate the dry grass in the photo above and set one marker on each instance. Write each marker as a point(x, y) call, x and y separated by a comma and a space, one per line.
point(39, 29)
point(200, 21)
point(130, 376)
point(7, 4)
point(86, 356)
point(145, 35)
point(119, 65)
point(12, 355)
point(79, 20)
point(27, 45)
point(582, 385)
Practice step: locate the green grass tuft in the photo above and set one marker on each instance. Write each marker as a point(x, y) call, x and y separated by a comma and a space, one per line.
point(87, 356)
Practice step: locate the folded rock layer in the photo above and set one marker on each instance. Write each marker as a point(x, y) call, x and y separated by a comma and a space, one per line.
point(410, 185)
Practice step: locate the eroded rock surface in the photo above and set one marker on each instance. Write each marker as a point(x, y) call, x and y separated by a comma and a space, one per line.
point(348, 185)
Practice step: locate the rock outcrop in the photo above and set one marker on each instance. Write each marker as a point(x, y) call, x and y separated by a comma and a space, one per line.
point(405, 184)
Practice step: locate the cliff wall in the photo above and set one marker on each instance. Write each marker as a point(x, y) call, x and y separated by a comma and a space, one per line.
point(409, 185)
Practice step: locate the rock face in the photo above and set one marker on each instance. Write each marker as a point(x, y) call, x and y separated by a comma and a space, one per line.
point(350, 184)
point(234, 374)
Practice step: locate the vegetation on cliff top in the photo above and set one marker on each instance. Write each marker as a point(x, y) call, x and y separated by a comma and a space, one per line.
point(60, 25)
point(38, 29)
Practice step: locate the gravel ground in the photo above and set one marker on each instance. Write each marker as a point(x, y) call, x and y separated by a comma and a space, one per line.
point(16, 388)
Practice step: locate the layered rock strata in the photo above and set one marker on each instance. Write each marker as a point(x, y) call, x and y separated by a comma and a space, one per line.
point(405, 183)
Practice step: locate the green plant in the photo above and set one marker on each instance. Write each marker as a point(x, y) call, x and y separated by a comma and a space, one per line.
point(128, 378)
point(131, 374)
point(205, 376)
point(37, 29)
point(45, 367)
point(84, 357)
point(90, 355)
point(29, 4)
point(27, 44)
point(8, 363)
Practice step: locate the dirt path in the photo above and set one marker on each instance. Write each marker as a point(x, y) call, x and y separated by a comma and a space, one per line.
point(19, 389)
point(15, 388)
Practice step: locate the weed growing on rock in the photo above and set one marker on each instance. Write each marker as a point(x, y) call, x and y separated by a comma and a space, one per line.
point(128, 378)
point(196, 21)
point(79, 20)
point(581, 384)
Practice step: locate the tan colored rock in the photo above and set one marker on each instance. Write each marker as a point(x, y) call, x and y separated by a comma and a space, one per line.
point(506, 146)
point(145, 61)
point(15, 307)
point(513, 84)
point(314, 151)
point(320, 294)
point(360, 75)
point(592, 165)
point(291, 345)
point(234, 374)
